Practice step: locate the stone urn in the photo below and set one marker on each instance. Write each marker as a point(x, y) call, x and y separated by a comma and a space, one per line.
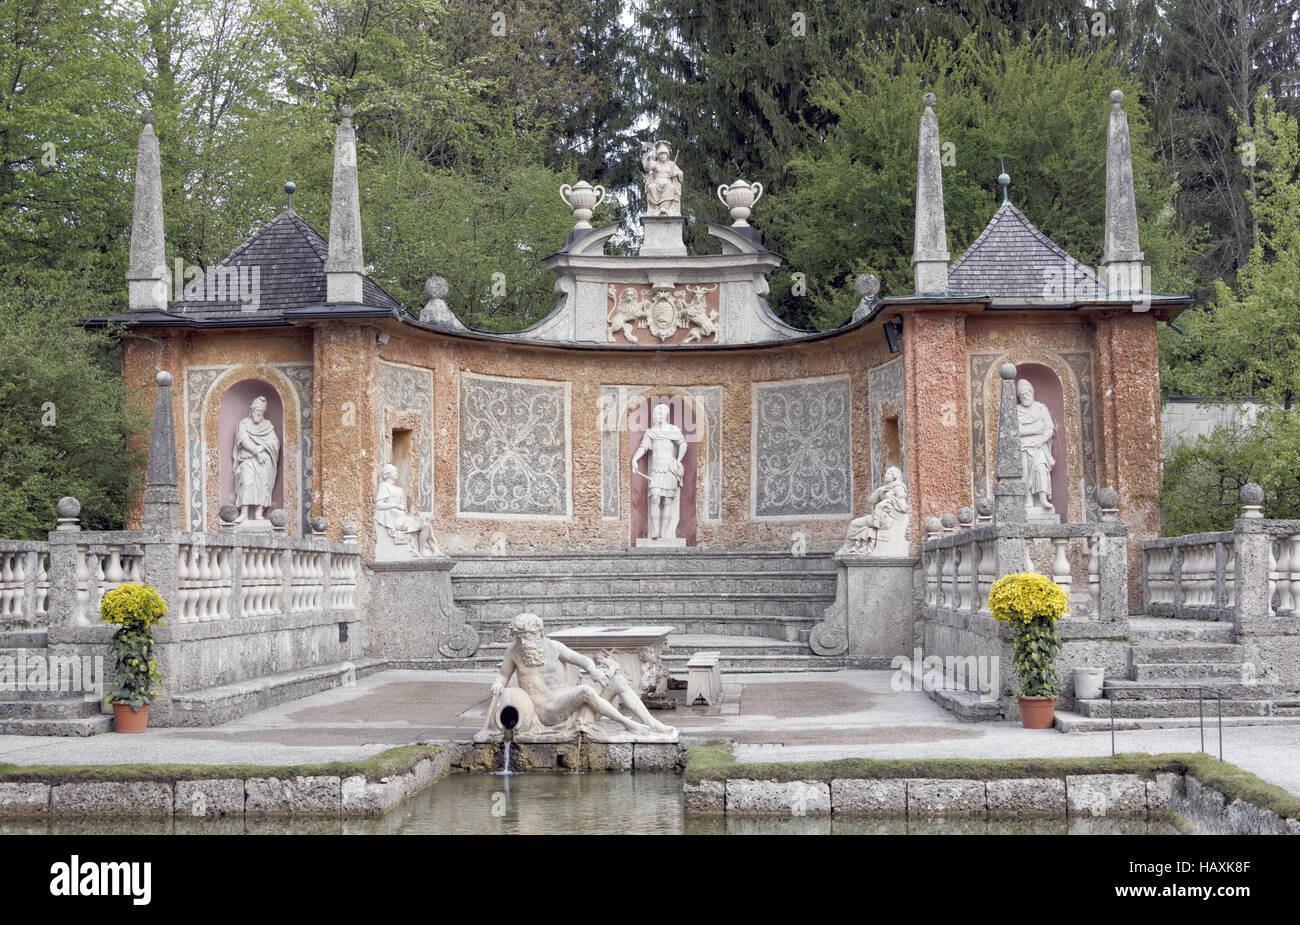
point(740, 197)
point(582, 198)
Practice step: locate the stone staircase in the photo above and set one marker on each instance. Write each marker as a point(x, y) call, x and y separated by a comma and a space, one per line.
point(1166, 652)
point(42, 712)
point(756, 609)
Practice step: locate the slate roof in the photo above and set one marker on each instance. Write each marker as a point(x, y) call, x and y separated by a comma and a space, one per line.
point(1013, 261)
point(283, 264)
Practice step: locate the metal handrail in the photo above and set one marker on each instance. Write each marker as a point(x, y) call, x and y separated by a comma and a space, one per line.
point(1200, 706)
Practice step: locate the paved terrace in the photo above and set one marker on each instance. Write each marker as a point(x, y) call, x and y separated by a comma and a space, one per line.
point(773, 717)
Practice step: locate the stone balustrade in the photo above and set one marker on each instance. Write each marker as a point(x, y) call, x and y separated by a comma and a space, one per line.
point(24, 580)
point(1088, 561)
point(1190, 576)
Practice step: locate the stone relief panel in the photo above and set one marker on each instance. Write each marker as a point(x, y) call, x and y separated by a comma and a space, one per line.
point(514, 448)
point(614, 400)
point(406, 390)
point(885, 385)
point(802, 462)
point(681, 315)
point(199, 381)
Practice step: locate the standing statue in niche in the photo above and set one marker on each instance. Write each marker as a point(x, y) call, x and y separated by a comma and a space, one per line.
point(395, 525)
point(874, 533)
point(663, 180)
point(256, 459)
point(667, 447)
point(1036, 432)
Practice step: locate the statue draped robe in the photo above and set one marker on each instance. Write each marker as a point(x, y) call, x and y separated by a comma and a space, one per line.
point(255, 472)
point(1036, 432)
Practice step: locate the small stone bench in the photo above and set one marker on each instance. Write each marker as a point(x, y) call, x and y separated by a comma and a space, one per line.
point(704, 678)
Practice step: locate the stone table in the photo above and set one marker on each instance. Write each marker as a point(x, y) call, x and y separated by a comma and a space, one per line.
point(638, 649)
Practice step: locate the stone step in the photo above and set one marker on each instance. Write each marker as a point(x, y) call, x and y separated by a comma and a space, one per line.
point(223, 703)
point(1067, 721)
point(659, 609)
point(29, 638)
point(624, 563)
point(1124, 689)
point(1128, 709)
point(47, 709)
point(1189, 671)
point(1167, 629)
point(82, 726)
point(1171, 652)
point(780, 628)
point(643, 589)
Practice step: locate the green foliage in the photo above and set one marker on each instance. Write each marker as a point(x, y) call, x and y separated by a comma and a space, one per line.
point(1036, 646)
point(66, 425)
point(135, 609)
point(133, 606)
point(1039, 106)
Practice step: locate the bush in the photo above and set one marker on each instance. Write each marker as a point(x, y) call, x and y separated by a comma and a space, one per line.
point(1033, 603)
point(136, 609)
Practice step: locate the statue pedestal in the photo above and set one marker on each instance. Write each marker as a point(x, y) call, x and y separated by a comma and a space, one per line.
point(669, 542)
point(663, 236)
point(414, 613)
point(253, 526)
point(1039, 516)
point(874, 612)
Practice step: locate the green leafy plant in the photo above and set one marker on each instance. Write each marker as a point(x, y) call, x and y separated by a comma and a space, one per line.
point(135, 610)
point(1032, 603)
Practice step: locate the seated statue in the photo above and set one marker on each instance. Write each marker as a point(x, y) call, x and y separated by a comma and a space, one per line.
point(394, 527)
point(545, 707)
point(874, 533)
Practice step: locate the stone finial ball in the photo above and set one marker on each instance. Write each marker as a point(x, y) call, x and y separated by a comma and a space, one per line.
point(163, 378)
point(1007, 371)
point(1117, 96)
point(68, 507)
point(984, 507)
point(933, 525)
point(349, 528)
point(949, 521)
point(279, 518)
point(228, 513)
point(1108, 497)
point(345, 111)
point(965, 515)
point(290, 187)
point(929, 99)
point(867, 285)
point(319, 524)
point(148, 117)
point(1252, 494)
point(436, 287)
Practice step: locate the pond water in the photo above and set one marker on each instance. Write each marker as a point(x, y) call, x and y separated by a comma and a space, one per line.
point(593, 804)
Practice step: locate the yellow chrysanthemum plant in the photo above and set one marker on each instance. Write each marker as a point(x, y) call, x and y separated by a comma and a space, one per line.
point(1032, 603)
point(135, 610)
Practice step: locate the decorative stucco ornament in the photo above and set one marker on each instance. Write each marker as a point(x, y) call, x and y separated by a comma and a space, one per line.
point(663, 311)
point(663, 180)
point(740, 198)
point(582, 198)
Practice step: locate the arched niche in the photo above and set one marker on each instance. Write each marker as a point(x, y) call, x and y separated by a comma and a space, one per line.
point(687, 413)
point(234, 407)
point(1048, 390)
point(225, 401)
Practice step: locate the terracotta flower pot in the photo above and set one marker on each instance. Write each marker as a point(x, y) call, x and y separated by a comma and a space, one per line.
point(127, 720)
point(1037, 712)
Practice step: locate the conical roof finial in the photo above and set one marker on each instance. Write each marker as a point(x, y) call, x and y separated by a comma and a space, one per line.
point(1004, 178)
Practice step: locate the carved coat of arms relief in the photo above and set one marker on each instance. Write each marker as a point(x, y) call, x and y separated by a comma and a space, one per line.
point(664, 312)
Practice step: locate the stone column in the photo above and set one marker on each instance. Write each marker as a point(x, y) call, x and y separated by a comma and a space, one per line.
point(1009, 493)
